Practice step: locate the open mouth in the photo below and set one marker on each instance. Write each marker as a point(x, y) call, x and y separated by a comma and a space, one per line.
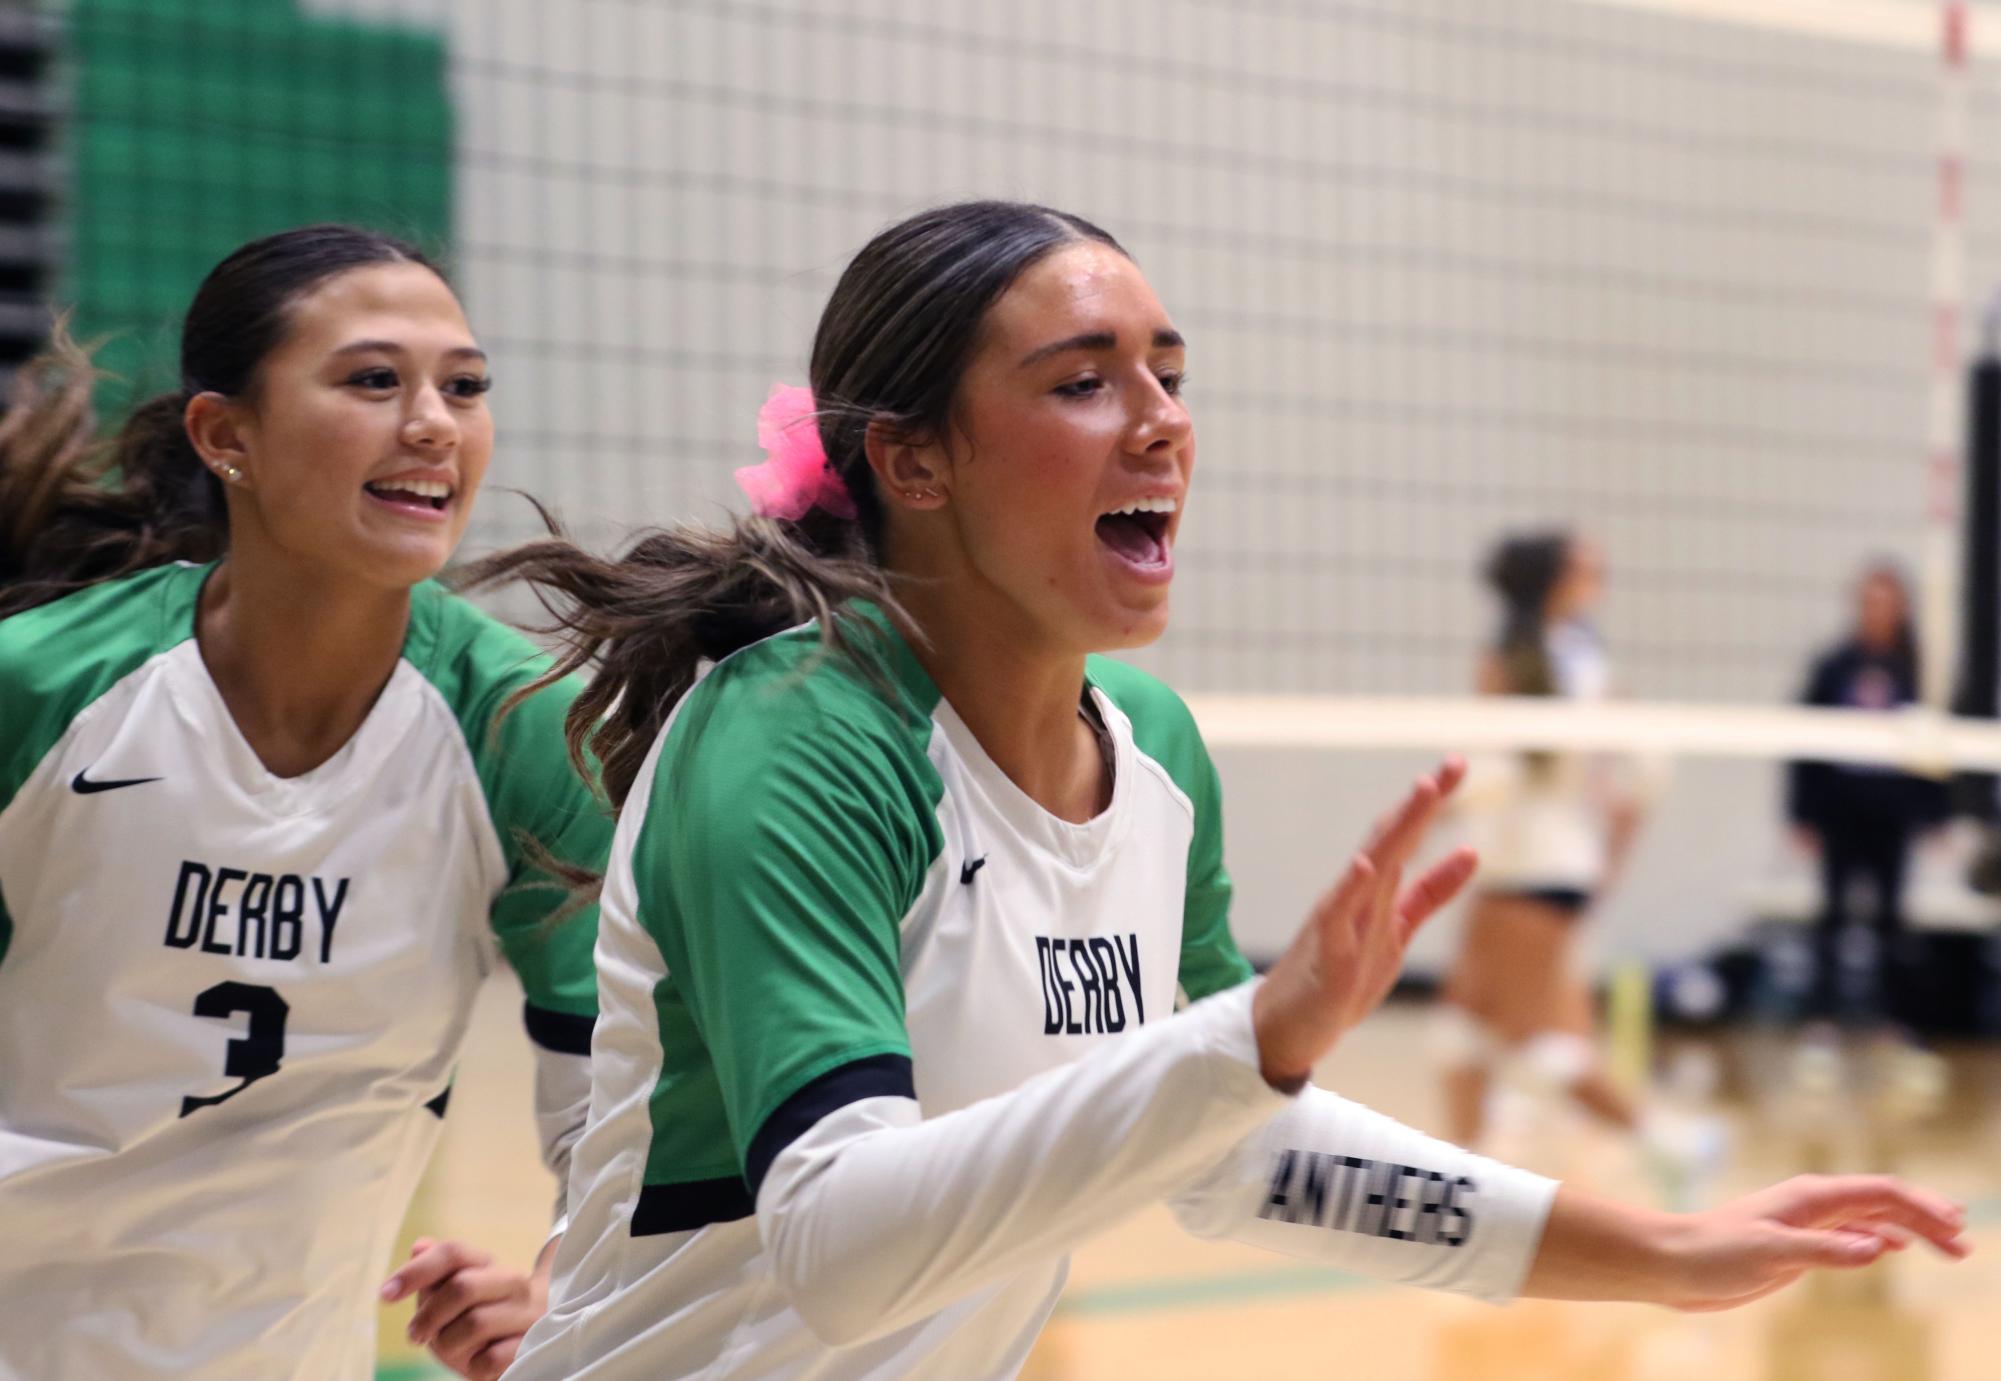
point(1137, 533)
point(418, 496)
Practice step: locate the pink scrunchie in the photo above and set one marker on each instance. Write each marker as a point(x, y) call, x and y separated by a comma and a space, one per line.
point(795, 477)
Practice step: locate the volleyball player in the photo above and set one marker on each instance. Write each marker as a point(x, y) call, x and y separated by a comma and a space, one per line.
point(1554, 830)
point(901, 898)
point(262, 834)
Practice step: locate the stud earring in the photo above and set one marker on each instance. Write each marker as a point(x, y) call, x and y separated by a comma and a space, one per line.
point(230, 473)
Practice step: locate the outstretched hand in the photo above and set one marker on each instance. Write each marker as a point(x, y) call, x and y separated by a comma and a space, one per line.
point(1594, 1248)
point(1763, 1242)
point(1347, 955)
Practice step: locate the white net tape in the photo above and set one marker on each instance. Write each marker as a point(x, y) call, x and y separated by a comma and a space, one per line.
point(1915, 739)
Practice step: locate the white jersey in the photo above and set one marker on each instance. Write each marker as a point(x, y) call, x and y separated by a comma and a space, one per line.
point(1540, 822)
point(230, 1003)
point(882, 1039)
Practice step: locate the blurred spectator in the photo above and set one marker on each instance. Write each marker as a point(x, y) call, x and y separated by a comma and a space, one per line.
point(1861, 818)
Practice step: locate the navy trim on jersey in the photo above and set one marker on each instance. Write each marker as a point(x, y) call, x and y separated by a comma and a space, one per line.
point(686, 1207)
point(563, 1032)
point(1572, 901)
point(876, 1076)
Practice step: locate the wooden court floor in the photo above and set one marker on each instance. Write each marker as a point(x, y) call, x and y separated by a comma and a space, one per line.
point(1147, 1301)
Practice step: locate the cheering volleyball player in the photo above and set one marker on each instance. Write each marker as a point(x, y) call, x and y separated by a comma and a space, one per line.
point(262, 833)
point(901, 898)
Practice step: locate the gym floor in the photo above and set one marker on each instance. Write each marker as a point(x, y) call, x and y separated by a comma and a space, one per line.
point(1148, 1300)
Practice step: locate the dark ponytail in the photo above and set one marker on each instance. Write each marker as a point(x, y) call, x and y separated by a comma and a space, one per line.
point(893, 343)
point(1523, 570)
point(648, 619)
point(73, 511)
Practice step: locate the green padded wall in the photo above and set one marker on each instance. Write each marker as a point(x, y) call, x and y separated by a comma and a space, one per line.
point(198, 124)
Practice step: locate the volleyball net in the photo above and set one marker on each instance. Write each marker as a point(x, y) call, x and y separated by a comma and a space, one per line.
point(1672, 271)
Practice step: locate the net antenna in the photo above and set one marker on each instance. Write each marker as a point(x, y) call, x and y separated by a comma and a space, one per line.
point(1938, 597)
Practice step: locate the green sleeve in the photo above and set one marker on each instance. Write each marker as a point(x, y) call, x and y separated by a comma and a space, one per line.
point(789, 830)
point(58, 658)
point(538, 803)
point(1165, 731)
point(1210, 959)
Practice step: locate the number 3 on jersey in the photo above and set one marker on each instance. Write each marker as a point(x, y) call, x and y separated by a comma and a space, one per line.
point(254, 1054)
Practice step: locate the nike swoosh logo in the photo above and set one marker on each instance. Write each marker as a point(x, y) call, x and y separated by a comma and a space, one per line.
point(966, 870)
point(83, 786)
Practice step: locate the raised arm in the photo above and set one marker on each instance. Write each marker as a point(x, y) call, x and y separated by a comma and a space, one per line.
point(876, 1217)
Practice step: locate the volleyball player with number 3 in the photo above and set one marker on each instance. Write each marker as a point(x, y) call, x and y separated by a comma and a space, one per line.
point(262, 834)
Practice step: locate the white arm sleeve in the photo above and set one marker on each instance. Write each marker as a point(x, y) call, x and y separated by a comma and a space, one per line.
point(1340, 1184)
point(875, 1217)
point(562, 1102)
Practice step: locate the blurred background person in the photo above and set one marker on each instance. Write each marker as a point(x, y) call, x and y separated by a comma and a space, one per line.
point(1552, 835)
point(1860, 820)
